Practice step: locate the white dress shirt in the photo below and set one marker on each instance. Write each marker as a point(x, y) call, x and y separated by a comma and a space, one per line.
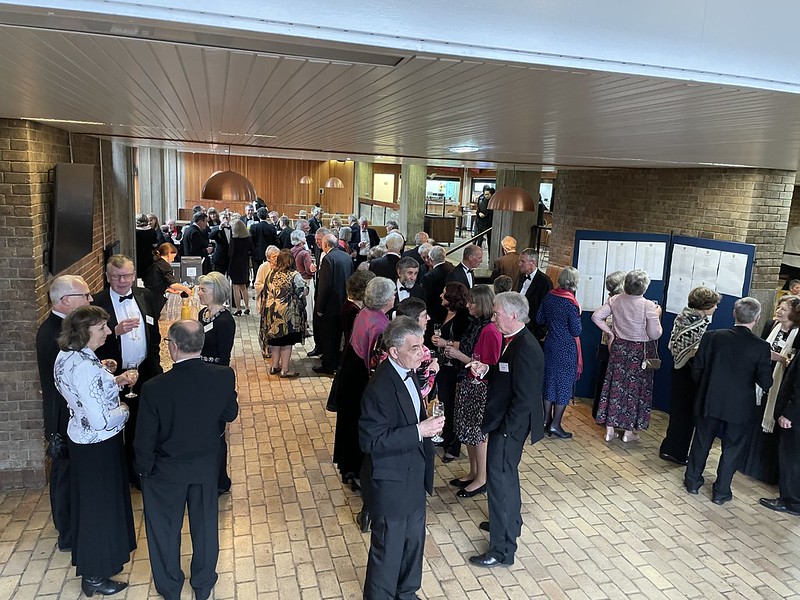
point(527, 283)
point(133, 343)
point(412, 390)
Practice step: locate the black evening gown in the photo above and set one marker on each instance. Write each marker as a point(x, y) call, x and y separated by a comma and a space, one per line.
point(681, 413)
point(349, 385)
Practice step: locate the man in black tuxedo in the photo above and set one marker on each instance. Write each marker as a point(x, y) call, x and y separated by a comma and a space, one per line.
point(285, 234)
point(534, 285)
point(513, 410)
point(364, 237)
point(508, 264)
point(407, 285)
point(483, 216)
point(727, 367)
point(394, 434)
point(195, 240)
point(221, 236)
point(470, 260)
point(433, 285)
point(67, 293)
point(386, 265)
point(334, 271)
point(415, 253)
point(177, 443)
point(136, 340)
point(315, 222)
point(264, 235)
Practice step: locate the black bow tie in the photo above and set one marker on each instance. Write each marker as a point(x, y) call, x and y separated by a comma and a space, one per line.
point(409, 375)
point(528, 277)
point(128, 297)
point(468, 270)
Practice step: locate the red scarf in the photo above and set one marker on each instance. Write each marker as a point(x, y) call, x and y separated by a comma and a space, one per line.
point(562, 293)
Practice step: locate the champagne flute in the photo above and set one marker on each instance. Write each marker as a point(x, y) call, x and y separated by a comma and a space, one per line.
point(133, 372)
point(437, 332)
point(437, 410)
point(475, 380)
point(131, 315)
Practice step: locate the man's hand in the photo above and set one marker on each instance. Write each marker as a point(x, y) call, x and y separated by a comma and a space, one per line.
point(431, 426)
point(784, 423)
point(126, 325)
point(478, 369)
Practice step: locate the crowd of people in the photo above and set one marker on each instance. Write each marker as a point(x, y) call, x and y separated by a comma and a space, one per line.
point(420, 354)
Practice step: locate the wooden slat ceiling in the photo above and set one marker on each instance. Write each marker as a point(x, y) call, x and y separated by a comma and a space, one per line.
point(187, 96)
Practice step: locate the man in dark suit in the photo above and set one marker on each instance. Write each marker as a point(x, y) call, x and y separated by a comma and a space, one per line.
point(221, 236)
point(419, 239)
point(364, 237)
point(433, 285)
point(508, 264)
point(334, 271)
point(67, 293)
point(470, 260)
point(727, 367)
point(264, 235)
point(483, 216)
point(285, 234)
point(177, 445)
point(315, 222)
point(195, 240)
point(513, 410)
point(407, 285)
point(534, 285)
point(386, 265)
point(136, 340)
point(394, 434)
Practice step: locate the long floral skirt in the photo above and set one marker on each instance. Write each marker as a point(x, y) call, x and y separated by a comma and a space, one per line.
point(470, 406)
point(627, 395)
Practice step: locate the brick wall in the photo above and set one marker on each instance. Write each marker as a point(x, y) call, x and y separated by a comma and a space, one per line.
point(28, 152)
point(740, 205)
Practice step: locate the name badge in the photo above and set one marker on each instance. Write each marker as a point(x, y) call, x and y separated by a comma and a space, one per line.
point(148, 319)
point(209, 327)
point(503, 367)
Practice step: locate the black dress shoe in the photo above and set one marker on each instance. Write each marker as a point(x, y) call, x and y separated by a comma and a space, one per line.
point(313, 352)
point(459, 483)
point(446, 458)
point(776, 504)
point(323, 371)
point(691, 488)
point(547, 431)
point(101, 585)
point(464, 493)
point(484, 526)
point(560, 433)
point(672, 459)
point(720, 500)
point(489, 560)
point(364, 521)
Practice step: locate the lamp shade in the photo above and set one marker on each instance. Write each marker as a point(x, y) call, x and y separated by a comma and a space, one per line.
point(514, 199)
point(229, 187)
point(306, 180)
point(334, 182)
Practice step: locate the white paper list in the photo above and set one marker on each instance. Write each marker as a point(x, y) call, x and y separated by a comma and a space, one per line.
point(621, 256)
point(590, 292)
point(592, 258)
point(650, 257)
point(682, 261)
point(706, 265)
point(731, 274)
point(678, 293)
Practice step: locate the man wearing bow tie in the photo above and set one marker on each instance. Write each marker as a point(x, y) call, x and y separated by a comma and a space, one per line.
point(407, 285)
point(534, 285)
point(394, 433)
point(470, 260)
point(135, 340)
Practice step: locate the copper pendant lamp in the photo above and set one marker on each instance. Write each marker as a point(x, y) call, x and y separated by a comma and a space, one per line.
point(227, 186)
point(514, 199)
point(306, 180)
point(334, 182)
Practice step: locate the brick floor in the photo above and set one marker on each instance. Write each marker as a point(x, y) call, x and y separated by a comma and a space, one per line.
point(601, 520)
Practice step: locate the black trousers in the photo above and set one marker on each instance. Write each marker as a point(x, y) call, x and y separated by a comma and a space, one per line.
point(394, 566)
point(505, 503)
point(681, 414)
point(446, 386)
point(223, 480)
point(734, 449)
point(129, 433)
point(602, 367)
point(789, 465)
point(164, 506)
point(60, 501)
point(330, 340)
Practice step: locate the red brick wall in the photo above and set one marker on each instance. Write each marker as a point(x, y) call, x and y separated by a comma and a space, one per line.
point(28, 151)
point(740, 205)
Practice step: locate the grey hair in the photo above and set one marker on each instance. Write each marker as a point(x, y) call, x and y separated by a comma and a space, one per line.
point(513, 303)
point(636, 282)
point(298, 237)
point(271, 249)
point(399, 329)
point(394, 242)
point(345, 233)
point(406, 263)
point(470, 250)
point(530, 254)
point(568, 279)
point(219, 284)
point(379, 291)
point(425, 249)
point(188, 335)
point(316, 211)
point(746, 310)
point(437, 254)
point(322, 232)
point(284, 221)
point(63, 285)
point(614, 282)
point(420, 238)
point(329, 240)
point(239, 229)
point(298, 224)
point(393, 224)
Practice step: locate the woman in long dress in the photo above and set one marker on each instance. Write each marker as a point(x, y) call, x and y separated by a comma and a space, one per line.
point(241, 250)
point(102, 519)
point(285, 313)
point(160, 277)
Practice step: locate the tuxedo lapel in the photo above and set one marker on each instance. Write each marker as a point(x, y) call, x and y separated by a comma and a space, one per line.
point(403, 397)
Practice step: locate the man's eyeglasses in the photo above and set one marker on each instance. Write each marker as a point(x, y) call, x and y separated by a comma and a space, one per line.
point(87, 295)
point(123, 276)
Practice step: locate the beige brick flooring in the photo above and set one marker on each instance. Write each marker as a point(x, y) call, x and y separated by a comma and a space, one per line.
point(601, 520)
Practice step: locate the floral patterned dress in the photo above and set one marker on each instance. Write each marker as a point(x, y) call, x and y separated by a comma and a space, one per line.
point(285, 308)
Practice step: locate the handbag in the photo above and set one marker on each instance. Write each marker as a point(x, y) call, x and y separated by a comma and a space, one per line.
point(652, 364)
point(56, 446)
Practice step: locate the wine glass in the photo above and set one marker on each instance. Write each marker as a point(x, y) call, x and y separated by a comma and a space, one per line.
point(131, 314)
point(133, 371)
point(437, 410)
point(476, 358)
point(437, 332)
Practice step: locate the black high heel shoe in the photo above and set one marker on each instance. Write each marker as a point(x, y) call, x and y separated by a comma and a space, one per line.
point(101, 585)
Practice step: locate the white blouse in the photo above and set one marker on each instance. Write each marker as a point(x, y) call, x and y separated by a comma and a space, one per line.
point(92, 395)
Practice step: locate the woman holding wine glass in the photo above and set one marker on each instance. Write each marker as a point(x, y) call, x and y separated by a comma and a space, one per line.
point(449, 333)
point(481, 342)
point(102, 518)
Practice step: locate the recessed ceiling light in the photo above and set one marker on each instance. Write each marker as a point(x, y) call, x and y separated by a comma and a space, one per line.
point(68, 121)
point(460, 149)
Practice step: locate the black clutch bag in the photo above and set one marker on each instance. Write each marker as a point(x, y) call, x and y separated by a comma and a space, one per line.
point(56, 446)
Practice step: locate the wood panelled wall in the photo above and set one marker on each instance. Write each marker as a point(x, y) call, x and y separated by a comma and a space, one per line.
point(277, 181)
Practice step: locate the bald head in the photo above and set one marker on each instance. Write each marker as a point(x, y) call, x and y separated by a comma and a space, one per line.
point(329, 242)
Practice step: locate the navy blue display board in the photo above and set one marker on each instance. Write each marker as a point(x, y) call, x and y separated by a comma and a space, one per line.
point(590, 336)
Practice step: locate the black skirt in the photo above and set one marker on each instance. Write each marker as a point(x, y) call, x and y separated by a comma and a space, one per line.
point(346, 391)
point(103, 536)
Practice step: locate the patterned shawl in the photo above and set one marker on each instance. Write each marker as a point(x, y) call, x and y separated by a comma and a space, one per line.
point(684, 340)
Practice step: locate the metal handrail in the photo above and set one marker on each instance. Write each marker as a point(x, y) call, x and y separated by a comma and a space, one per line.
point(469, 241)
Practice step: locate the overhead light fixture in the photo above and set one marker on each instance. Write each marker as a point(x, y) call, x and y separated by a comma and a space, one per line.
point(335, 183)
point(306, 180)
point(67, 121)
point(227, 186)
point(513, 199)
point(462, 149)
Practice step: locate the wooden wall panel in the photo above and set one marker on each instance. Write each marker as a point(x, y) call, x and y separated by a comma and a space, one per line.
point(277, 181)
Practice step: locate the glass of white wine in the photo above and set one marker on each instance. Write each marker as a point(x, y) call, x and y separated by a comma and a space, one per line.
point(437, 410)
point(133, 373)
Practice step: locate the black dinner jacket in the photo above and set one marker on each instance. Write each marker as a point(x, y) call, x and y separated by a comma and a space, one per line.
point(180, 417)
point(415, 292)
point(313, 224)
point(433, 284)
point(195, 241)
point(56, 411)
point(284, 238)
point(537, 290)
point(460, 275)
point(507, 265)
point(514, 399)
point(727, 366)
point(112, 348)
point(222, 247)
point(385, 266)
point(398, 466)
point(787, 403)
point(355, 239)
point(334, 271)
point(264, 236)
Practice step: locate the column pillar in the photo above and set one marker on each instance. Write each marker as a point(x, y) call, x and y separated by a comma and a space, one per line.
point(363, 183)
point(412, 199)
point(516, 224)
